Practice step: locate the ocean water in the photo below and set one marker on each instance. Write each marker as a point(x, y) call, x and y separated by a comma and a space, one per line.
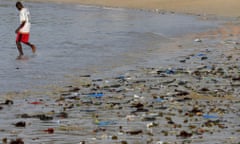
point(76, 39)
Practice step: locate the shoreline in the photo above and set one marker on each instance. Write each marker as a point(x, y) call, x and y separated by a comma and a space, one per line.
point(229, 29)
point(223, 8)
point(194, 99)
point(189, 100)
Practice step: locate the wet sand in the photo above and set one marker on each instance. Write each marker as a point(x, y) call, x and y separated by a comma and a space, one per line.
point(194, 99)
point(230, 8)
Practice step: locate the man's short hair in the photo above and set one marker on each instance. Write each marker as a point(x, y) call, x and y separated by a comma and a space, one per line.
point(19, 4)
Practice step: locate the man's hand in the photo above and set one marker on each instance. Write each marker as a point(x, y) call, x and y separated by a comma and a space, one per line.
point(22, 24)
point(16, 31)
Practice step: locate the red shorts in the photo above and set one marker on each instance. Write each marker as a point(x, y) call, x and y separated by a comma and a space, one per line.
point(22, 37)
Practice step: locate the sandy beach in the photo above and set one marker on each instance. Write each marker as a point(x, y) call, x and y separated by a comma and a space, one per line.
point(193, 100)
point(229, 8)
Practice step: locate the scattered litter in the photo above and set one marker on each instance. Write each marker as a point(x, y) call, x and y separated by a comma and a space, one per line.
point(35, 103)
point(206, 116)
point(105, 123)
point(49, 130)
point(197, 40)
point(96, 95)
point(20, 124)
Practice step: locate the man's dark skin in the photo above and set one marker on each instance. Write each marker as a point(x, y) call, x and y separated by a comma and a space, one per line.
point(18, 43)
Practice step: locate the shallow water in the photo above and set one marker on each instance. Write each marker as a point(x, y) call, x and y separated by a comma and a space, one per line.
point(74, 38)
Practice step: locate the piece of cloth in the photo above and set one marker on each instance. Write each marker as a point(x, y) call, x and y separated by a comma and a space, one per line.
point(22, 37)
point(24, 15)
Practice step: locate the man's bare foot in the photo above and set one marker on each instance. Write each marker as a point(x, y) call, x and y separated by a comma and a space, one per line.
point(20, 57)
point(33, 48)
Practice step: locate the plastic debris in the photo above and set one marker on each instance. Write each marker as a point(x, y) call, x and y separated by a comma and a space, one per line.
point(49, 130)
point(207, 116)
point(96, 95)
point(134, 132)
point(170, 71)
point(158, 100)
point(36, 103)
point(20, 124)
point(105, 123)
point(198, 40)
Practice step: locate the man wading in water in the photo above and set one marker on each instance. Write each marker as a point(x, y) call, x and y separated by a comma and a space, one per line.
point(23, 31)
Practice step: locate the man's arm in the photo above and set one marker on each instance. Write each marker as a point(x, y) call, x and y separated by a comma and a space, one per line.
point(22, 24)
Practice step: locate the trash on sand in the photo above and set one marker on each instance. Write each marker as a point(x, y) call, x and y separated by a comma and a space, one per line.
point(20, 124)
point(7, 102)
point(96, 95)
point(158, 100)
point(206, 116)
point(17, 141)
point(82, 142)
point(120, 77)
point(159, 142)
point(45, 117)
point(170, 71)
point(49, 130)
point(204, 58)
point(134, 132)
point(105, 123)
point(88, 110)
point(198, 40)
point(184, 134)
point(201, 55)
point(62, 115)
point(152, 124)
point(35, 103)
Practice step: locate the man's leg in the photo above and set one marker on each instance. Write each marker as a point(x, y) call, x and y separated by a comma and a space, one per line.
point(32, 46)
point(18, 43)
point(19, 46)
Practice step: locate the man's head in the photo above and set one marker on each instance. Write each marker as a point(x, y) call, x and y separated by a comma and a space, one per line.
point(19, 5)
